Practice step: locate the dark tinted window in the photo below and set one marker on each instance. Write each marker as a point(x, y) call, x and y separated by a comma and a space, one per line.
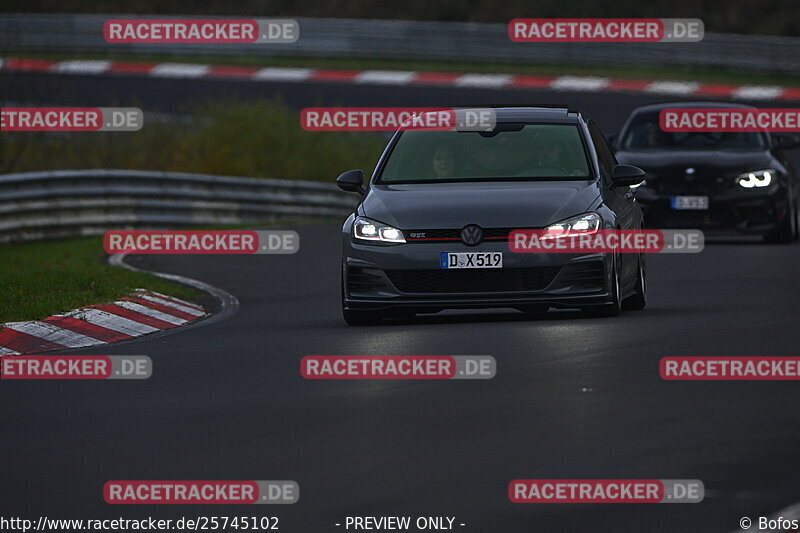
point(644, 133)
point(534, 151)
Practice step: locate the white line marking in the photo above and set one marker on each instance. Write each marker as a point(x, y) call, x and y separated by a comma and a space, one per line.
point(117, 323)
point(385, 77)
point(82, 66)
point(155, 299)
point(579, 83)
point(283, 74)
point(139, 308)
point(672, 87)
point(52, 333)
point(757, 92)
point(483, 80)
point(180, 70)
point(8, 351)
point(168, 297)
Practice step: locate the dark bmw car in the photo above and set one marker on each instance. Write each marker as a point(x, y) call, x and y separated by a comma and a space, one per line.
point(430, 232)
point(716, 181)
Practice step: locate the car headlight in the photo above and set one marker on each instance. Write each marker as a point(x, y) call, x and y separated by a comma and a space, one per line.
point(365, 229)
point(579, 225)
point(756, 178)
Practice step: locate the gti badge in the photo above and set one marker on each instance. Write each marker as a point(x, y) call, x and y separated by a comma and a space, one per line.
point(471, 235)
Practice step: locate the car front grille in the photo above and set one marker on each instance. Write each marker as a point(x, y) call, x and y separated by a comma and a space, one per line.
point(700, 186)
point(472, 281)
point(452, 235)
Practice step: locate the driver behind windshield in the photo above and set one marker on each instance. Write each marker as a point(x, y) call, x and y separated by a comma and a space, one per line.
point(444, 162)
point(532, 151)
point(548, 151)
point(551, 158)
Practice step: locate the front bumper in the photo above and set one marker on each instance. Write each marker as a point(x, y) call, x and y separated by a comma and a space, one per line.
point(747, 211)
point(408, 277)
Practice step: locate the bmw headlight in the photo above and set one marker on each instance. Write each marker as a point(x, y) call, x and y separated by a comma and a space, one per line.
point(579, 225)
point(756, 178)
point(365, 229)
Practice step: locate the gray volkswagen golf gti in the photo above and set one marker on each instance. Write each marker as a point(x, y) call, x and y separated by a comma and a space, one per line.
point(431, 230)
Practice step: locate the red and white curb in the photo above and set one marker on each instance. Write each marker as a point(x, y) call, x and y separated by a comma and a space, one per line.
point(402, 78)
point(140, 313)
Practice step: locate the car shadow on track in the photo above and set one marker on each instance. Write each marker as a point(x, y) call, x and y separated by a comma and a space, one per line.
point(497, 316)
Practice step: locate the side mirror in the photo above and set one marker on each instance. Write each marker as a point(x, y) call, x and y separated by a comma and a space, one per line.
point(351, 181)
point(626, 176)
point(786, 141)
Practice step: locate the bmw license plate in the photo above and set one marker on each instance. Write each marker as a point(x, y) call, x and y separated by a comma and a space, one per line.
point(471, 260)
point(696, 203)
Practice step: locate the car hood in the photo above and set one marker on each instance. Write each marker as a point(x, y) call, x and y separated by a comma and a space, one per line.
point(489, 205)
point(704, 162)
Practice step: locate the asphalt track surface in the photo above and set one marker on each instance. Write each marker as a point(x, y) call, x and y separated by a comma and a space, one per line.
point(574, 397)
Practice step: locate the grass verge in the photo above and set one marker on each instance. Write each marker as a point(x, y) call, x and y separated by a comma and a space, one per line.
point(259, 139)
point(39, 279)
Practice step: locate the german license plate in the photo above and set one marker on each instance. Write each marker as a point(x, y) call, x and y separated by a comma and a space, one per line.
point(453, 260)
point(696, 203)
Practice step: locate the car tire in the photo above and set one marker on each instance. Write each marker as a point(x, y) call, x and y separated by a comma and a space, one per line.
point(613, 307)
point(787, 231)
point(638, 301)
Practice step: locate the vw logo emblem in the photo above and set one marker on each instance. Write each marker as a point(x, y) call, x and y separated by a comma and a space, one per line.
point(689, 171)
point(471, 235)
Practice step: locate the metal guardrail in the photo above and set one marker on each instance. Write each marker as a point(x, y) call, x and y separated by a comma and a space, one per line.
point(395, 39)
point(69, 203)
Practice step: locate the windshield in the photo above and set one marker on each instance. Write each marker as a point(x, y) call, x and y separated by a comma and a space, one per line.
point(644, 133)
point(533, 151)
